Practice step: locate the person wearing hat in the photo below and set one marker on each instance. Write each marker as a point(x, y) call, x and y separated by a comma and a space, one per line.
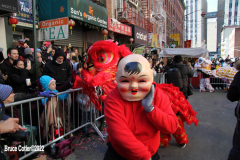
point(7, 96)
point(21, 48)
point(28, 54)
point(58, 68)
point(185, 73)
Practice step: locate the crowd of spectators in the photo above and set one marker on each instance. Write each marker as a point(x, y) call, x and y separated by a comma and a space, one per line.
point(24, 73)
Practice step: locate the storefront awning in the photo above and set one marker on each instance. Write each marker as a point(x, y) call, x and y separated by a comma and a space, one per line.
point(8, 6)
point(84, 10)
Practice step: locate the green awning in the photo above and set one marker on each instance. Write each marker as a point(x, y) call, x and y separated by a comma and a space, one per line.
point(84, 10)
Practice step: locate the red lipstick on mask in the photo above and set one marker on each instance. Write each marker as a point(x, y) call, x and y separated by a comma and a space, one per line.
point(134, 91)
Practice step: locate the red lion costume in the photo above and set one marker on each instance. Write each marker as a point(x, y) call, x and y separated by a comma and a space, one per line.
point(99, 79)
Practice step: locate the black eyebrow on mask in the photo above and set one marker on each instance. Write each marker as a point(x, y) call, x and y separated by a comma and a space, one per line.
point(142, 75)
point(123, 77)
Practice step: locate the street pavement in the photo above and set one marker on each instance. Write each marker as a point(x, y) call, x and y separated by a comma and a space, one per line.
point(210, 140)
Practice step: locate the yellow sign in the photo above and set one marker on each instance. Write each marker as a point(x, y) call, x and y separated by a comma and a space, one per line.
point(175, 37)
point(155, 41)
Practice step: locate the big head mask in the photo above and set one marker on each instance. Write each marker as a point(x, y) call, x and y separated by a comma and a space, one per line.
point(134, 77)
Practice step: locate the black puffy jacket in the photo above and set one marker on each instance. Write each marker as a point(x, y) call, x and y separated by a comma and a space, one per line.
point(60, 72)
point(185, 73)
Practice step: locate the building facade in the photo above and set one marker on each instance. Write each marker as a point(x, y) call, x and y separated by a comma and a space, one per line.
point(174, 11)
point(212, 38)
point(232, 10)
point(230, 42)
point(195, 25)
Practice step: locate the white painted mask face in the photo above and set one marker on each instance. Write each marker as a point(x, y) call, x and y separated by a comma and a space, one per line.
point(134, 77)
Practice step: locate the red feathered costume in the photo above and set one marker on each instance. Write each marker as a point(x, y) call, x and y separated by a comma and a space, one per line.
point(99, 79)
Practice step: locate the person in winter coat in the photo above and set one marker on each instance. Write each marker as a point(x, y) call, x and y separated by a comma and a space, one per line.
point(18, 79)
point(21, 47)
point(49, 84)
point(54, 117)
point(7, 65)
point(131, 110)
point(185, 72)
point(234, 95)
point(59, 68)
point(39, 65)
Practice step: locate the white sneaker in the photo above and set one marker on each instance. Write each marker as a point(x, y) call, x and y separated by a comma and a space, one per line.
point(220, 88)
point(216, 88)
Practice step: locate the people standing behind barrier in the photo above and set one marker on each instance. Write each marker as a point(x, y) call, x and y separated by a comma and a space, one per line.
point(168, 65)
point(55, 113)
point(28, 54)
point(18, 78)
point(21, 47)
point(234, 95)
point(73, 60)
point(155, 65)
point(7, 65)
point(39, 66)
point(186, 73)
point(59, 68)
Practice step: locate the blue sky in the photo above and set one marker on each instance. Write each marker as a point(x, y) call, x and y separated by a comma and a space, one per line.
point(212, 5)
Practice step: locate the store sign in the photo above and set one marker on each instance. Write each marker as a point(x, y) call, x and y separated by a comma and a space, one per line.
point(187, 44)
point(55, 29)
point(9, 5)
point(24, 14)
point(140, 35)
point(89, 12)
point(119, 28)
point(175, 37)
point(174, 44)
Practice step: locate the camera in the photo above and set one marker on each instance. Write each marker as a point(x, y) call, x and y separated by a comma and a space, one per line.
point(19, 136)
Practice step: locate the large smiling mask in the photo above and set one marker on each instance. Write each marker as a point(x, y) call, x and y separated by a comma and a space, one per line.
point(134, 77)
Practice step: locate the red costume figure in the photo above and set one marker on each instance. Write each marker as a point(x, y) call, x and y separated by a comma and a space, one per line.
point(99, 79)
point(136, 111)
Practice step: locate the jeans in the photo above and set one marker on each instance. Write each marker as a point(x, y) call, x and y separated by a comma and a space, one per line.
point(235, 151)
point(86, 118)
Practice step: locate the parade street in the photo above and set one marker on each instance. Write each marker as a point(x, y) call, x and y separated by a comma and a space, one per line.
point(210, 140)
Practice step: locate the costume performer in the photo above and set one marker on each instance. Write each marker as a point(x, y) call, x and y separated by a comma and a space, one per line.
point(99, 79)
point(136, 111)
point(204, 66)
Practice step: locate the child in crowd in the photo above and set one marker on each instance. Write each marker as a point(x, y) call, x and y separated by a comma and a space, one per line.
point(49, 84)
point(54, 111)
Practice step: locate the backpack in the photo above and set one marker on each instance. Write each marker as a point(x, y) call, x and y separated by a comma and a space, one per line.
point(174, 76)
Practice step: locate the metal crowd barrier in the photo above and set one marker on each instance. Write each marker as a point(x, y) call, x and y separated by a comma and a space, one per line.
point(160, 78)
point(219, 81)
point(99, 115)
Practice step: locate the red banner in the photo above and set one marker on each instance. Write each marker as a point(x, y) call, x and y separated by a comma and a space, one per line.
point(119, 28)
point(187, 44)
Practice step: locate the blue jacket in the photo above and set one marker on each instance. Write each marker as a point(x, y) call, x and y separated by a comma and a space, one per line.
point(44, 80)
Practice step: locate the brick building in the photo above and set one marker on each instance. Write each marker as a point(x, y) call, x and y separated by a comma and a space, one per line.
point(175, 11)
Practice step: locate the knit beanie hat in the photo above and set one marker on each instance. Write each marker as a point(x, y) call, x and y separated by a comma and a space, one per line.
point(45, 81)
point(5, 91)
point(27, 51)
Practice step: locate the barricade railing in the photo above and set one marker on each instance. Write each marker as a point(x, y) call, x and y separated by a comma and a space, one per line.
point(160, 78)
point(58, 119)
